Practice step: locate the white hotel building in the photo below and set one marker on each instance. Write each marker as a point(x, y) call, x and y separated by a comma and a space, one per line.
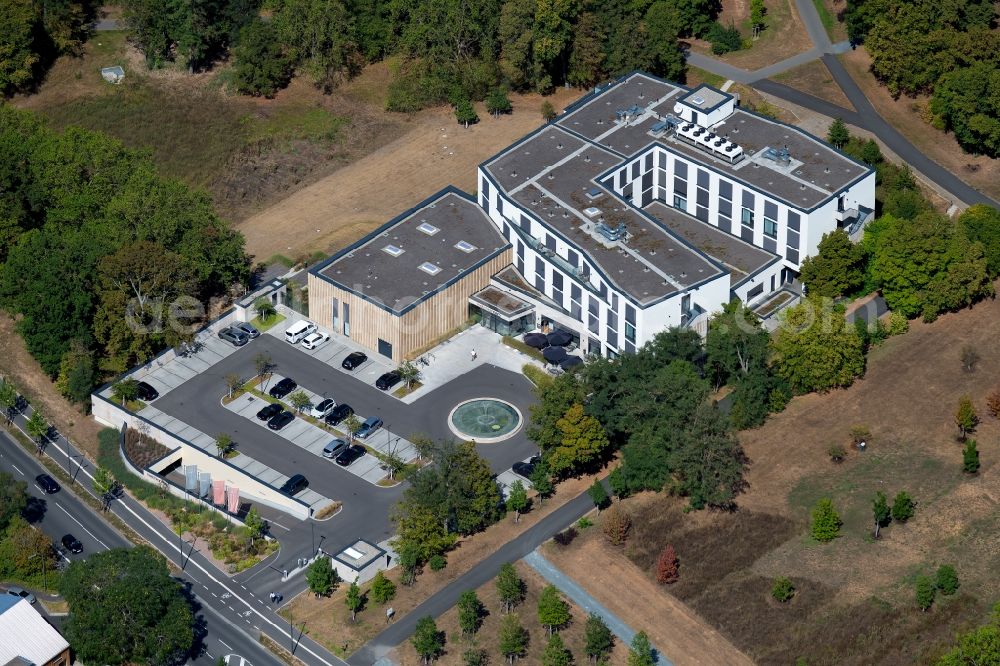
point(644, 205)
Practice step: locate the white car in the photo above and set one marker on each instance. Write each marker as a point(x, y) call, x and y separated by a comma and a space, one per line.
point(323, 408)
point(314, 340)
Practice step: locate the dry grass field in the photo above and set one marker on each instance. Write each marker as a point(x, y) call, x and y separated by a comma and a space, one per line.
point(784, 36)
point(815, 79)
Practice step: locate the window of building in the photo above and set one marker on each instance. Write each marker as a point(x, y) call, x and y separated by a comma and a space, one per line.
point(430, 268)
point(680, 203)
point(428, 228)
point(770, 228)
point(465, 246)
point(629, 332)
point(747, 217)
point(392, 250)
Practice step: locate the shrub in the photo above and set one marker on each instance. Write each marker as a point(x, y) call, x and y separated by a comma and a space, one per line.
point(993, 403)
point(925, 592)
point(837, 453)
point(584, 523)
point(437, 562)
point(946, 580)
point(724, 39)
point(565, 537)
point(898, 324)
point(970, 457)
point(666, 566)
point(903, 507)
point(825, 521)
point(548, 111)
point(536, 375)
point(783, 589)
point(616, 524)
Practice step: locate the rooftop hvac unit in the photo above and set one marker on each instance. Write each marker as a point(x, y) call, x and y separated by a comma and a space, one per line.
point(612, 234)
point(779, 155)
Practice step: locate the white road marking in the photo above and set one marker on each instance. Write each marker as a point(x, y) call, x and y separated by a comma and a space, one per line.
point(22, 474)
point(209, 654)
point(228, 647)
point(82, 527)
point(287, 529)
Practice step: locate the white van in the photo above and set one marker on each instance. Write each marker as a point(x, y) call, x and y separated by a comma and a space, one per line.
point(299, 330)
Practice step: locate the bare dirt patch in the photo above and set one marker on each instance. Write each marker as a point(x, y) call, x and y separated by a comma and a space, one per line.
point(815, 79)
point(432, 153)
point(907, 115)
point(783, 37)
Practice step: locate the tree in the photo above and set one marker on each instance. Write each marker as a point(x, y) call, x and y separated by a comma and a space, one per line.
point(262, 65)
point(641, 652)
point(979, 646)
point(322, 577)
point(970, 457)
point(382, 589)
point(153, 622)
point(553, 611)
point(826, 523)
point(517, 499)
point(104, 484)
point(419, 532)
point(18, 50)
point(837, 269)
point(25, 552)
point(255, 524)
point(427, 640)
point(125, 391)
point(981, 223)
point(548, 111)
point(903, 507)
point(408, 372)
point(599, 641)
point(598, 495)
point(618, 483)
point(233, 383)
point(13, 498)
point(465, 113)
point(616, 524)
point(551, 404)
point(354, 600)
point(751, 399)
point(757, 12)
point(586, 60)
point(223, 443)
point(556, 653)
point(265, 310)
point(300, 400)
point(8, 396)
point(76, 373)
point(541, 481)
point(815, 350)
point(964, 103)
point(510, 587)
point(666, 565)
point(322, 37)
point(353, 424)
point(880, 510)
point(497, 102)
point(946, 580)
point(736, 343)
point(925, 592)
point(38, 429)
point(513, 638)
point(965, 416)
point(724, 39)
point(470, 612)
point(782, 590)
point(838, 134)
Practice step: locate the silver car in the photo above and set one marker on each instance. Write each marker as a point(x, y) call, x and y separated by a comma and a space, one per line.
point(334, 448)
point(21, 593)
point(248, 328)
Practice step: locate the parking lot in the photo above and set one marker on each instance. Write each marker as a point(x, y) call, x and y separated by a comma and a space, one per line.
point(190, 403)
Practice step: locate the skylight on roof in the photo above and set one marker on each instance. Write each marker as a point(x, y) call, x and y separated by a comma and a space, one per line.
point(465, 246)
point(393, 251)
point(430, 268)
point(428, 228)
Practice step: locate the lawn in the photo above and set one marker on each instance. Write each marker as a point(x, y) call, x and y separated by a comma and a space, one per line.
point(854, 602)
point(263, 325)
point(783, 36)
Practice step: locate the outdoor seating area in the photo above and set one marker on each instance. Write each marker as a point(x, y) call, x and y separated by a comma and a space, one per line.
point(555, 347)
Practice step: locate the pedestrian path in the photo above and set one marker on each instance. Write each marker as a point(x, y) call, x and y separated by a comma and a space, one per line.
point(584, 600)
point(313, 438)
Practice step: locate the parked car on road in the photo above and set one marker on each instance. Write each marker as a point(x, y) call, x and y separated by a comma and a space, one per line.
point(234, 336)
point(146, 392)
point(323, 408)
point(72, 544)
point(353, 360)
point(295, 484)
point(47, 484)
point(280, 420)
point(314, 340)
point(371, 424)
point(270, 411)
point(350, 454)
point(525, 468)
point(299, 330)
point(249, 329)
point(339, 413)
point(21, 593)
point(388, 380)
point(334, 448)
point(282, 388)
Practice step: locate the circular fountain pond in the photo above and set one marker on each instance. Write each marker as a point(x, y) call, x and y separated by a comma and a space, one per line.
point(485, 420)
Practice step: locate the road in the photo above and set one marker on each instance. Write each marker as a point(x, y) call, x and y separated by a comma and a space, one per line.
point(232, 614)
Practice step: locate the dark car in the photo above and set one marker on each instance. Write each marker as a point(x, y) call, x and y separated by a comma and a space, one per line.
point(388, 380)
point(353, 360)
point(280, 420)
point(525, 468)
point(248, 328)
point(269, 412)
point(282, 388)
point(350, 454)
point(339, 413)
point(234, 336)
point(72, 544)
point(146, 392)
point(47, 484)
point(295, 484)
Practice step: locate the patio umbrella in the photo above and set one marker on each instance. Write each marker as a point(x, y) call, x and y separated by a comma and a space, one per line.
point(571, 362)
point(554, 354)
point(536, 340)
point(559, 337)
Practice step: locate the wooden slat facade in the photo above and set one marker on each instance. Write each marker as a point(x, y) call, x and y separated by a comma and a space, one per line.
point(429, 320)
